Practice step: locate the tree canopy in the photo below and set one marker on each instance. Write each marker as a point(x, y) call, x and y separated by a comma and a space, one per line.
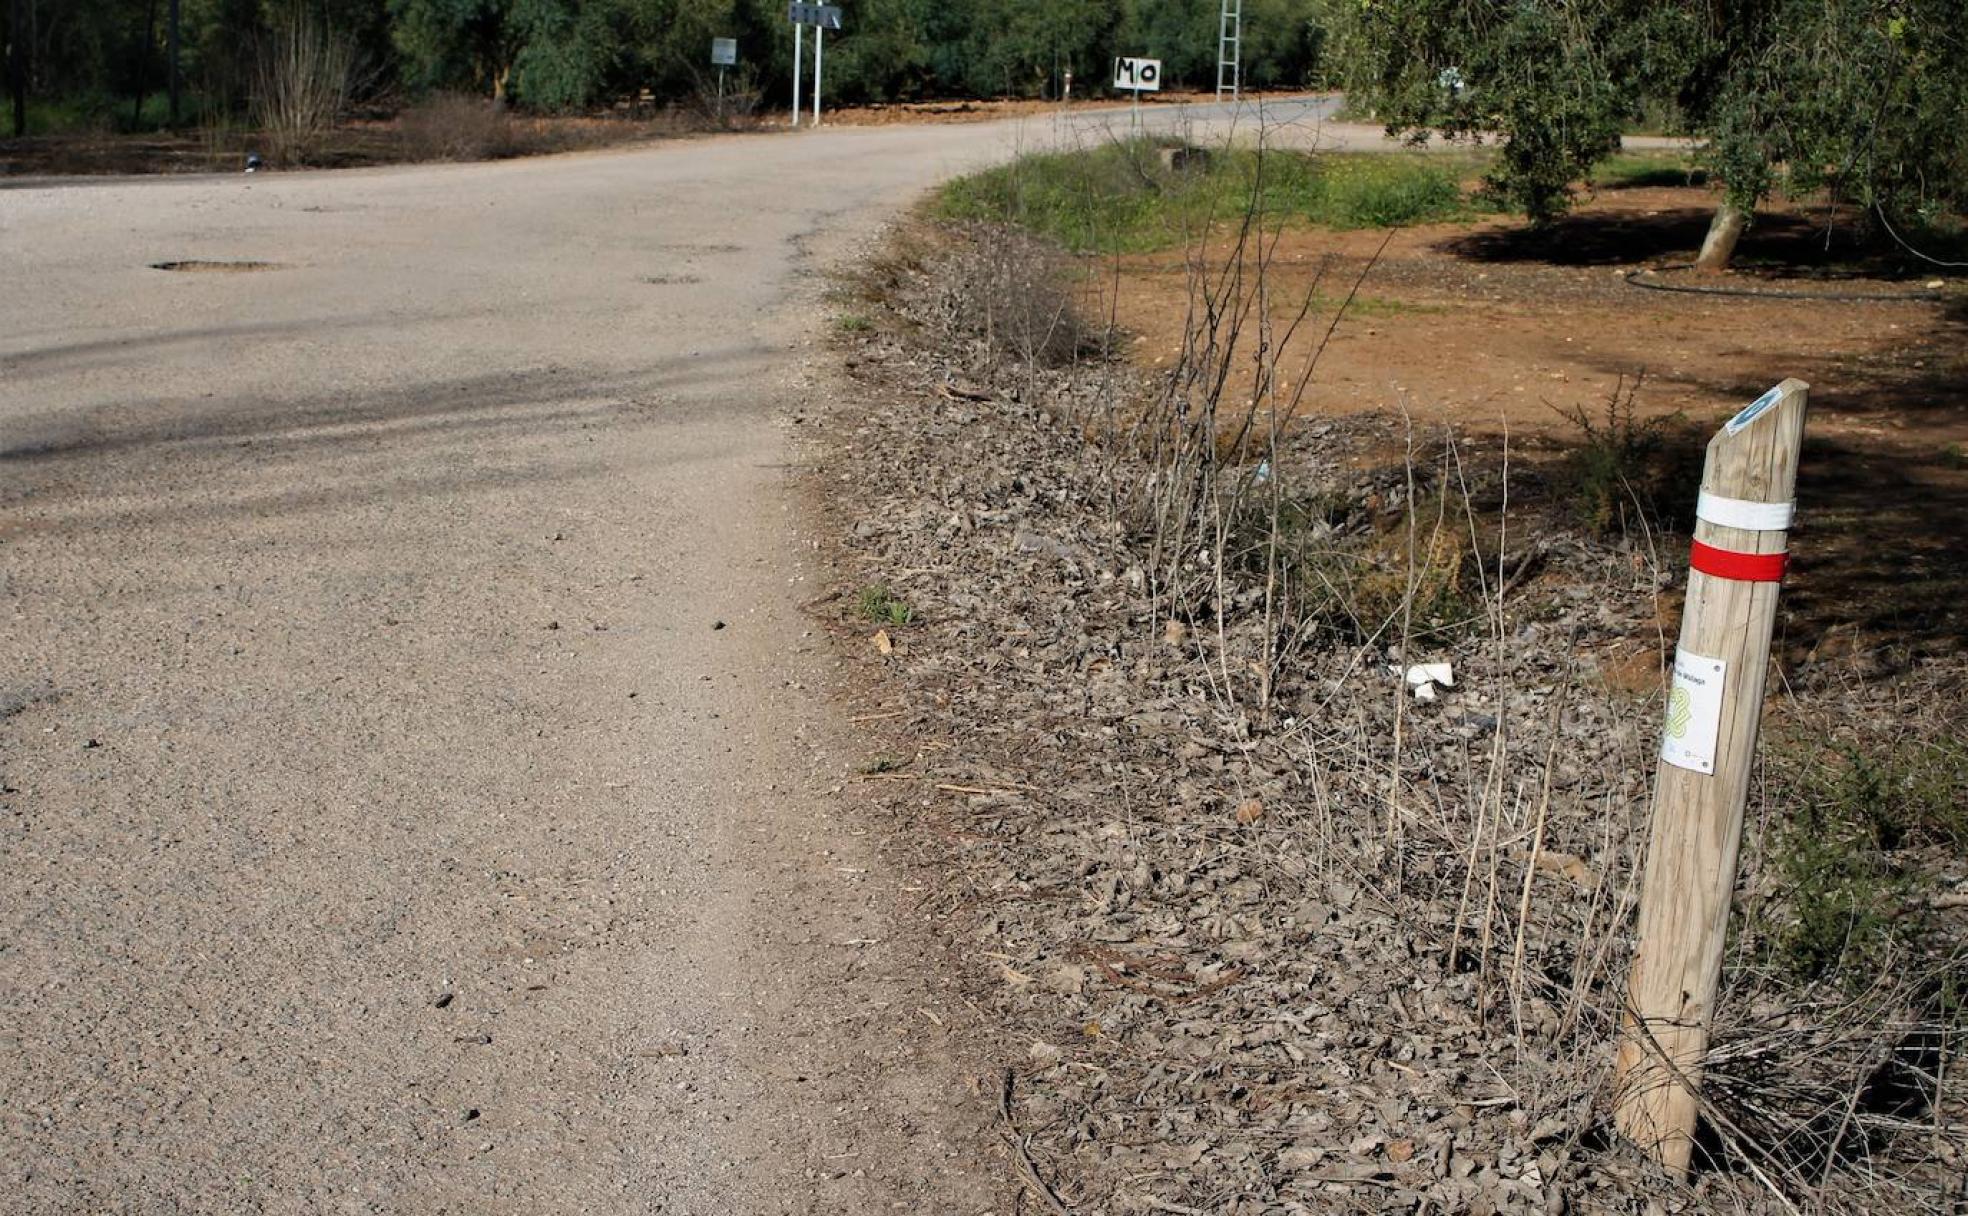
point(572, 54)
point(1864, 97)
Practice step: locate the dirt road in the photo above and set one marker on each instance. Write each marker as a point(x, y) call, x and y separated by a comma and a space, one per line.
point(420, 790)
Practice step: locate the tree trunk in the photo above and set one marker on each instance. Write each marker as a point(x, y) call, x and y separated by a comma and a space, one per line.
point(17, 64)
point(172, 42)
point(143, 65)
point(1723, 233)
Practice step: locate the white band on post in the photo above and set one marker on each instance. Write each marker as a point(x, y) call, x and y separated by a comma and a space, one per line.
point(1744, 514)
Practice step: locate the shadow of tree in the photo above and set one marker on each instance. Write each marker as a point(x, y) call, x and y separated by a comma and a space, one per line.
point(1877, 556)
point(1826, 246)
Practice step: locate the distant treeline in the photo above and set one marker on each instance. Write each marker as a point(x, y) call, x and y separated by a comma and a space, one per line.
point(79, 56)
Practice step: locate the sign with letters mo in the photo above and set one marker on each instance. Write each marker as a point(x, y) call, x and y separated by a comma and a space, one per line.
point(1141, 75)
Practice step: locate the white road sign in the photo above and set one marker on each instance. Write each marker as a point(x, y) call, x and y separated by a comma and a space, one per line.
point(1141, 75)
point(826, 16)
point(724, 52)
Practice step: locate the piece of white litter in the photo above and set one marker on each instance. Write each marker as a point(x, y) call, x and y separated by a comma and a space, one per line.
point(1432, 673)
point(1423, 677)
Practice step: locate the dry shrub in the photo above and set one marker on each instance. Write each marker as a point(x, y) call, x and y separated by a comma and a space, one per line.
point(898, 266)
point(303, 78)
point(456, 126)
point(1014, 290)
point(1397, 577)
point(730, 104)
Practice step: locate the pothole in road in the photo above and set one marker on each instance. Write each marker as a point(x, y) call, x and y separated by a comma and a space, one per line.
point(203, 266)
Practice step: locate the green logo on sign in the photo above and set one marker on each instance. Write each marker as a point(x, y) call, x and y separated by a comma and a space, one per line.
point(1680, 709)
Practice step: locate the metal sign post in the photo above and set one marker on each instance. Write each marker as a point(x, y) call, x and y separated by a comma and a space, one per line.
point(822, 17)
point(724, 53)
point(1138, 76)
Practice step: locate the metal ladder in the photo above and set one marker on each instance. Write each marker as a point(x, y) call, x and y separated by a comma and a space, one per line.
point(1229, 50)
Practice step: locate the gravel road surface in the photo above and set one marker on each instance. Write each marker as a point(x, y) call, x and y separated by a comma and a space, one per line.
point(419, 783)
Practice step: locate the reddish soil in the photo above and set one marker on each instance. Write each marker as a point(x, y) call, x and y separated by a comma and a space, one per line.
point(1489, 327)
point(951, 110)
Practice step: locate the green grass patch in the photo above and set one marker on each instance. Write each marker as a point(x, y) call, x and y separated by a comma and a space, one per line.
point(1383, 191)
point(853, 323)
point(1374, 306)
point(1639, 170)
point(878, 603)
point(1124, 197)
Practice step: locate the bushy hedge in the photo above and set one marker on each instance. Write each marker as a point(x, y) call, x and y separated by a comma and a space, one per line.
point(575, 54)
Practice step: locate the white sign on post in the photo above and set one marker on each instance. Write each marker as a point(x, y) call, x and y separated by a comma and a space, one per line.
point(724, 52)
point(1140, 75)
point(822, 17)
point(1694, 712)
point(826, 16)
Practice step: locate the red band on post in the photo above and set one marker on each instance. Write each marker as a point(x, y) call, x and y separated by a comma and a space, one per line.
point(1742, 567)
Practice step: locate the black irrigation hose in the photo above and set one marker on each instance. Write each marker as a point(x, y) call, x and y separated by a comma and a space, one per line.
point(1634, 278)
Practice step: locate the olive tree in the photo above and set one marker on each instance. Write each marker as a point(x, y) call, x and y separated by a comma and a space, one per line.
point(1862, 97)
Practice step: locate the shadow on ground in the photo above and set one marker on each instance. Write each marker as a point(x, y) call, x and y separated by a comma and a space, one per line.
point(1878, 560)
point(1780, 245)
point(1879, 567)
point(174, 462)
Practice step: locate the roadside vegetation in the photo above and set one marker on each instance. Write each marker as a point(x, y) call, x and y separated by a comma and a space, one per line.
point(1797, 97)
point(89, 71)
point(1870, 812)
point(1266, 919)
point(1640, 170)
point(1144, 194)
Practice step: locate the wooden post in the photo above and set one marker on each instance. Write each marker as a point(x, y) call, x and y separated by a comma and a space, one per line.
point(1702, 782)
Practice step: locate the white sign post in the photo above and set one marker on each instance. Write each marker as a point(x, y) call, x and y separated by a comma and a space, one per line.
point(822, 17)
point(1138, 76)
point(724, 53)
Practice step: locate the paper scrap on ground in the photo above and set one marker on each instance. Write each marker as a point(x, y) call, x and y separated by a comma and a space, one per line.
point(1694, 712)
point(1423, 677)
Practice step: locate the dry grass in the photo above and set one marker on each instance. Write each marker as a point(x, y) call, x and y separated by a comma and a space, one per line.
point(453, 126)
point(1504, 840)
